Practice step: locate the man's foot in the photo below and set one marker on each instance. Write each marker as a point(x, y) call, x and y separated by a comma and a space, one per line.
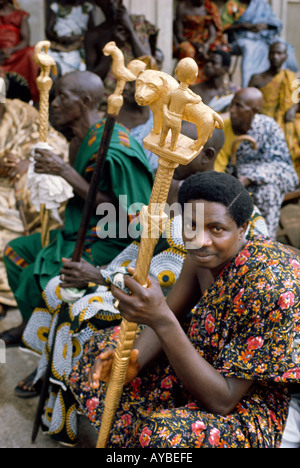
point(26, 388)
point(13, 336)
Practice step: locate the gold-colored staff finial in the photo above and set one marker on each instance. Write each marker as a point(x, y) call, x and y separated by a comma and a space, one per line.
point(44, 83)
point(169, 101)
point(122, 73)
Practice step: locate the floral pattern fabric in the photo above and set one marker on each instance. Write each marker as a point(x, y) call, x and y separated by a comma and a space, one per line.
point(246, 326)
point(269, 167)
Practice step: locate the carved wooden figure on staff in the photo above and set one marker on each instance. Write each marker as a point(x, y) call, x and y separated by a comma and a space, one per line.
point(176, 101)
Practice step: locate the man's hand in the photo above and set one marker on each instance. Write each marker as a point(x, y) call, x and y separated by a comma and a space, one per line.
point(12, 166)
point(101, 370)
point(47, 162)
point(290, 114)
point(79, 274)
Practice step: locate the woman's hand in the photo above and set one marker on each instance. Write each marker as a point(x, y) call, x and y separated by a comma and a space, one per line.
point(101, 370)
point(12, 166)
point(47, 162)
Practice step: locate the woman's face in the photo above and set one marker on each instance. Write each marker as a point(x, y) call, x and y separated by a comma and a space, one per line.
point(212, 237)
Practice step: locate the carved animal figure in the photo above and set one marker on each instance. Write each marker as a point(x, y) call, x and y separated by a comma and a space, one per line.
point(152, 86)
point(121, 72)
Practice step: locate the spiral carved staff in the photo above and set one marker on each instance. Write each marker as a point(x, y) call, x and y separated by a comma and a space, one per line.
point(172, 151)
point(44, 83)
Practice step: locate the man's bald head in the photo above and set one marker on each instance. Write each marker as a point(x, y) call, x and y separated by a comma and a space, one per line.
point(247, 102)
point(78, 96)
point(86, 85)
point(252, 97)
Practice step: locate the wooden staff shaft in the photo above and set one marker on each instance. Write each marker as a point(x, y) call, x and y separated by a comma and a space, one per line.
point(128, 330)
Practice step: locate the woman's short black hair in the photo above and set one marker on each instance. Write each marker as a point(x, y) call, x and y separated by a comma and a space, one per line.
point(221, 188)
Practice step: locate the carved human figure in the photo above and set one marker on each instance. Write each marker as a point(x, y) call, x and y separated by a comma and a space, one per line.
point(177, 99)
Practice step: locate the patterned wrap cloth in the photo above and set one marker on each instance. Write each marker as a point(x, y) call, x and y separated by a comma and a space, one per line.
point(19, 133)
point(246, 325)
point(81, 320)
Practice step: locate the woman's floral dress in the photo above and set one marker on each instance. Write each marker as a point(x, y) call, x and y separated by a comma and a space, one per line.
point(246, 325)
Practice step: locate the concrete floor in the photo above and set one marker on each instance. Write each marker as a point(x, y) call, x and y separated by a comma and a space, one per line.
point(17, 414)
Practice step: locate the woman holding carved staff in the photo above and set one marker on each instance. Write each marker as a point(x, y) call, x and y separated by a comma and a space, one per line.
point(219, 382)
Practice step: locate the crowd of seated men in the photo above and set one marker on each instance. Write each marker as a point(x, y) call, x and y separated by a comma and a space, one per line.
point(215, 362)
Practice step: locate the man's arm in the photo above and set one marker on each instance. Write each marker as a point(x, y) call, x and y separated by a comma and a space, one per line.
point(47, 162)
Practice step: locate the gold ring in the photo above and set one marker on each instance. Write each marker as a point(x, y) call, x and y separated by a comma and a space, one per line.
point(18, 176)
point(4, 159)
point(116, 304)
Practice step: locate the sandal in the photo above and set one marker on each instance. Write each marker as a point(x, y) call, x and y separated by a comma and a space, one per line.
point(13, 337)
point(26, 389)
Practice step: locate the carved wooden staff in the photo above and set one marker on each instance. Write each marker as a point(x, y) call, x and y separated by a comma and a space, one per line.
point(153, 221)
point(235, 146)
point(44, 83)
point(115, 102)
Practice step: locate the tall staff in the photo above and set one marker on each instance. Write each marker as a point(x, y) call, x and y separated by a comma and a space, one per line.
point(172, 151)
point(44, 83)
point(115, 102)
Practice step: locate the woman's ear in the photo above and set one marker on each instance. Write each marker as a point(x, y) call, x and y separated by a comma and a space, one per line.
point(243, 229)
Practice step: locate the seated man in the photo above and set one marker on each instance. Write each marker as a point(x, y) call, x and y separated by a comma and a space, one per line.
point(133, 34)
point(19, 132)
point(279, 87)
point(126, 172)
point(252, 27)
point(219, 383)
point(267, 171)
point(95, 310)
